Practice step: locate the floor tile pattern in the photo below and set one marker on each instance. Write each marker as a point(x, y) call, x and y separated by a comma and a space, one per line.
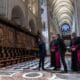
point(20, 72)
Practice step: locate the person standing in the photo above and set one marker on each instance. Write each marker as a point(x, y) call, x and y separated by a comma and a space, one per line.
point(74, 44)
point(55, 58)
point(42, 53)
point(62, 50)
point(52, 55)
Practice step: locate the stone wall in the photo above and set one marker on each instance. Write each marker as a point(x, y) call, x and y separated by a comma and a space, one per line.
point(7, 6)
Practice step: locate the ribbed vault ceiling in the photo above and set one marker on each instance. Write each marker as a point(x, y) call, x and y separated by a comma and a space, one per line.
point(63, 11)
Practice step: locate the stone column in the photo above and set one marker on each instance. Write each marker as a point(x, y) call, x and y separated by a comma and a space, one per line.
point(77, 16)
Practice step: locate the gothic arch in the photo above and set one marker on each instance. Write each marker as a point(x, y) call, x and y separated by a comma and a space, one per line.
point(17, 15)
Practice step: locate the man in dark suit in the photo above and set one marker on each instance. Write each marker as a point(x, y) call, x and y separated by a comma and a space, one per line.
point(42, 53)
point(75, 46)
point(62, 50)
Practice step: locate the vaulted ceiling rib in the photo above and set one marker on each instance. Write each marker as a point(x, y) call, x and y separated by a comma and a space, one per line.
point(63, 11)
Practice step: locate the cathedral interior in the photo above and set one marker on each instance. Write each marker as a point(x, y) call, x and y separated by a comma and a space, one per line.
point(21, 23)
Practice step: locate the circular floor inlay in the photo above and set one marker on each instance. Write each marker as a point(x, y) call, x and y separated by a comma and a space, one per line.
point(33, 75)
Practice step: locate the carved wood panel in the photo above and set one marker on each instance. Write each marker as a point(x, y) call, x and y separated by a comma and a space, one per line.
point(9, 37)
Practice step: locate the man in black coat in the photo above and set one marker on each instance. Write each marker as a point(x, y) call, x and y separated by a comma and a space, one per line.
point(42, 53)
point(62, 50)
point(75, 45)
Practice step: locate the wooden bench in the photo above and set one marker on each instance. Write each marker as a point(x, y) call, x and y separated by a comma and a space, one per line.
point(9, 56)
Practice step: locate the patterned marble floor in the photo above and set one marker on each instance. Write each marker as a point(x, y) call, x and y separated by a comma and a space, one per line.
point(27, 71)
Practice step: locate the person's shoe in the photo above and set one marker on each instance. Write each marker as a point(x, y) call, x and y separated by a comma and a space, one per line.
point(58, 69)
point(74, 71)
point(54, 69)
point(43, 69)
point(64, 71)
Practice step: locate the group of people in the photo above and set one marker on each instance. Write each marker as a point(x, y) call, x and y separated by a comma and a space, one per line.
point(58, 50)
